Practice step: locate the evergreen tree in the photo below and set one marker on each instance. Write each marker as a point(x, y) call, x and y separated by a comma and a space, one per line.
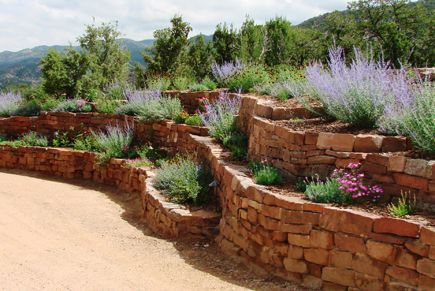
point(226, 43)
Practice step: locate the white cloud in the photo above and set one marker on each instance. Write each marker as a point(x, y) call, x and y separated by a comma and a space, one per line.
point(28, 23)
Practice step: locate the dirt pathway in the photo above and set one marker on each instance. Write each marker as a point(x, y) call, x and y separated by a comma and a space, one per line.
point(56, 235)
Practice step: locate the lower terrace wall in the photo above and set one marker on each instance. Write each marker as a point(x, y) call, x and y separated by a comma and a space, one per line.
point(161, 216)
point(315, 245)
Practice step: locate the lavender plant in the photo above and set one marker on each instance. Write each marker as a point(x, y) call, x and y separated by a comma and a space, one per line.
point(150, 105)
point(114, 142)
point(9, 103)
point(358, 93)
point(76, 105)
point(413, 117)
point(219, 116)
point(222, 72)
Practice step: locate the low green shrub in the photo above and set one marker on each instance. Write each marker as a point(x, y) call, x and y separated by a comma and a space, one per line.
point(33, 139)
point(83, 142)
point(76, 105)
point(248, 78)
point(194, 120)
point(237, 143)
point(404, 206)
point(61, 139)
point(114, 142)
point(30, 108)
point(326, 191)
point(197, 87)
point(209, 83)
point(158, 83)
point(265, 174)
point(183, 181)
point(181, 83)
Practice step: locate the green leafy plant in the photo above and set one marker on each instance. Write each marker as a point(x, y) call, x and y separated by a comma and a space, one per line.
point(139, 162)
point(248, 78)
point(209, 83)
point(406, 205)
point(265, 174)
point(33, 139)
point(237, 143)
point(183, 181)
point(326, 191)
point(83, 142)
point(194, 120)
point(77, 105)
point(181, 83)
point(198, 87)
point(61, 139)
point(114, 142)
point(30, 108)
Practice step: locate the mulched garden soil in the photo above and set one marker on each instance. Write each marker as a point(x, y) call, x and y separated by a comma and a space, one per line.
point(322, 125)
point(291, 103)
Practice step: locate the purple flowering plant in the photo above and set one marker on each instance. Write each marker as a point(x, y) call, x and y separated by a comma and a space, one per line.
point(352, 182)
point(222, 72)
point(9, 103)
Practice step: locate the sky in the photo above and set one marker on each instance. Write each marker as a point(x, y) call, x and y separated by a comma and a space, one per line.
point(29, 23)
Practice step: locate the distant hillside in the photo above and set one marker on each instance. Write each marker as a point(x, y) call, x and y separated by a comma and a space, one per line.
point(23, 66)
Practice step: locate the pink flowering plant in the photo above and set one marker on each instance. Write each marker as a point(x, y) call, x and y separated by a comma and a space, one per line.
point(352, 182)
point(344, 186)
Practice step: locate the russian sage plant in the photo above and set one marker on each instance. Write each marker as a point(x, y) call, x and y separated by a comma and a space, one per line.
point(358, 93)
point(114, 142)
point(9, 103)
point(76, 105)
point(222, 72)
point(219, 116)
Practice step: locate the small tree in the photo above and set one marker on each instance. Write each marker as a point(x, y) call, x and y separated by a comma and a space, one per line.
point(251, 41)
point(225, 43)
point(200, 56)
point(170, 44)
point(280, 41)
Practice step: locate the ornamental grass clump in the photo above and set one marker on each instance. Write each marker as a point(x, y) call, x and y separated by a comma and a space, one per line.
point(114, 142)
point(405, 205)
point(356, 94)
point(265, 174)
point(9, 103)
point(183, 181)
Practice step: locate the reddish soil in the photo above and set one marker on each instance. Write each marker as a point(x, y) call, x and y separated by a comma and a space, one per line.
point(322, 125)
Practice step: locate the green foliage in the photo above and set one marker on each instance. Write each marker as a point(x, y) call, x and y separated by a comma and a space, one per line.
point(183, 181)
point(105, 105)
point(169, 47)
point(83, 142)
point(153, 155)
point(115, 142)
point(181, 83)
point(265, 174)
point(138, 163)
point(73, 106)
point(205, 85)
point(398, 28)
point(3, 138)
point(326, 192)
point(194, 120)
point(237, 143)
point(100, 62)
point(249, 77)
point(209, 83)
point(226, 43)
point(404, 206)
point(30, 108)
point(200, 56)
point(61, 139)
point(33, 139)
point(251, 41)
point(154, 109)
point(280, 41)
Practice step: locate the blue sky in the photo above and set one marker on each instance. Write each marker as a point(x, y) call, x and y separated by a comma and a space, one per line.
point(28, 23)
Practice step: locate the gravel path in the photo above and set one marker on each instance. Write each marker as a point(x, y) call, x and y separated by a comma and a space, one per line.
point(57, 235)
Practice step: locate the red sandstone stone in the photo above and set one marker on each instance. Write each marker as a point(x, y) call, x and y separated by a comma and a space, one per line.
point(297, 228)
point(336, 141)
point(299, 240)
point(349, 243)
point(312, 282)
point(311, 138)
point(321, 239)
point(300, 217)
point(406, 260)
point(426, 267)
point(295, 252)
point(416, 167)
point(321, 160)
point(373, 168)
point(367, 282)
point(396, 226)
point(427, 235)
point(340, 259)
point(426, 283)
point(317, 256)
point(393, 144)
point(403, 275)
point(339, 276)
point(296, 266)
point(411, 181)
point(381, 251)
point(368, 143)
point(396, 163)
point(417, 248)
point(365, 265)
point(347, 221)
